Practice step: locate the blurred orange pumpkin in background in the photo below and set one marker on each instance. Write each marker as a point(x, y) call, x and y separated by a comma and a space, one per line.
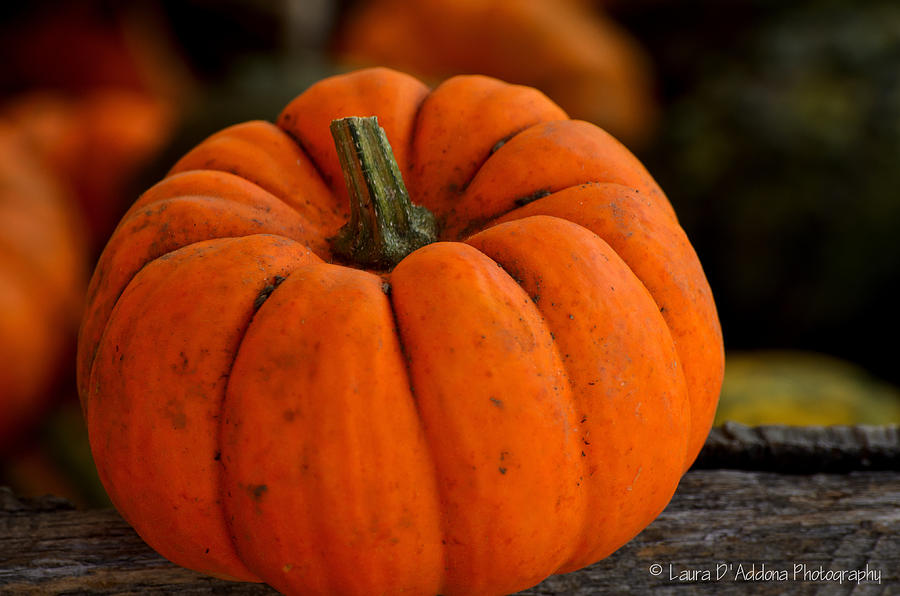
point(96, 90)
point(90, 93)
point(43, 274)
point(571, 51)
point(96, 142)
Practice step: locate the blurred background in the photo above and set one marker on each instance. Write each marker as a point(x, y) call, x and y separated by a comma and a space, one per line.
point(773, 127)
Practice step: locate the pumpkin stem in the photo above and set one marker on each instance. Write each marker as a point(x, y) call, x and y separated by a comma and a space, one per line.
point(384, 224)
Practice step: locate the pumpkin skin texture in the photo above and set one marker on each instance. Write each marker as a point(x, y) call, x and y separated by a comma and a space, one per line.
point(508, 402)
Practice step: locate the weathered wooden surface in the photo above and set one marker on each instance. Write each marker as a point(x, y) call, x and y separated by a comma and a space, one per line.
point(740, 524)
point(801, 450)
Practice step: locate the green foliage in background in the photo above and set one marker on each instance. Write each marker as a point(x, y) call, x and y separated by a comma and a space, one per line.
point(780, 149)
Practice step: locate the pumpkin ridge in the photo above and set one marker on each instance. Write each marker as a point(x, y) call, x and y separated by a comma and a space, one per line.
point(411, 141)
point(299, 142)
point(669, 268)
point(163, 203)
point(478, 224)
point(494, 148)
point(351, 301)
point(254, 151)
point(600, 282)
point(102, 331)
point(565, 378)
point(432, 458)
point(462, 120)
point(191, 410)
point(212, 184)
point(239, 198)
point(104, 282)
point(222, 489)
point(550, 156)
point(216, 181)
point(455, 387)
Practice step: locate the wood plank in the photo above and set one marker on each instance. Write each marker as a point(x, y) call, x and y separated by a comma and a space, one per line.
point(801, 449)
point(839, 522)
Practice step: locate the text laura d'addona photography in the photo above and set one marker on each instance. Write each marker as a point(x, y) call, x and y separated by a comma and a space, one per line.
point(761, 572)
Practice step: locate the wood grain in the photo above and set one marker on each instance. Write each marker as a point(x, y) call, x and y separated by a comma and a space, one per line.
point(801, 449)
point(839, 522)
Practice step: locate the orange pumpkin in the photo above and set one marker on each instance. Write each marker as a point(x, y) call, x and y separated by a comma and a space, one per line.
point(573, 52)
point(516, 399)
point(96, 142)
point(43, 271)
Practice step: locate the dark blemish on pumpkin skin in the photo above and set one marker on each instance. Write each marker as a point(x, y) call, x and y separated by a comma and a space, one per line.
point(474, 226)
point(502, 470)
point(497, 402)
point(174, 412)
point(217, 456)
point(179, 420)
point(184, 360)
point(538, 194)
point(503, 141)
point(266, 292)
point(257, 491)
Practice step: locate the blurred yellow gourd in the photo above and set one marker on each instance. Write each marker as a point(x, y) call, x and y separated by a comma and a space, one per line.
point(803, 388)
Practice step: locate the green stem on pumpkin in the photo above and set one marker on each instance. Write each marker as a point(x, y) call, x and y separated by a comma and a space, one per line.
point(384, 225)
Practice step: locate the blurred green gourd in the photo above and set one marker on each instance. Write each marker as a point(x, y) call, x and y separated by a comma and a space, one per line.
point(803, 388)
